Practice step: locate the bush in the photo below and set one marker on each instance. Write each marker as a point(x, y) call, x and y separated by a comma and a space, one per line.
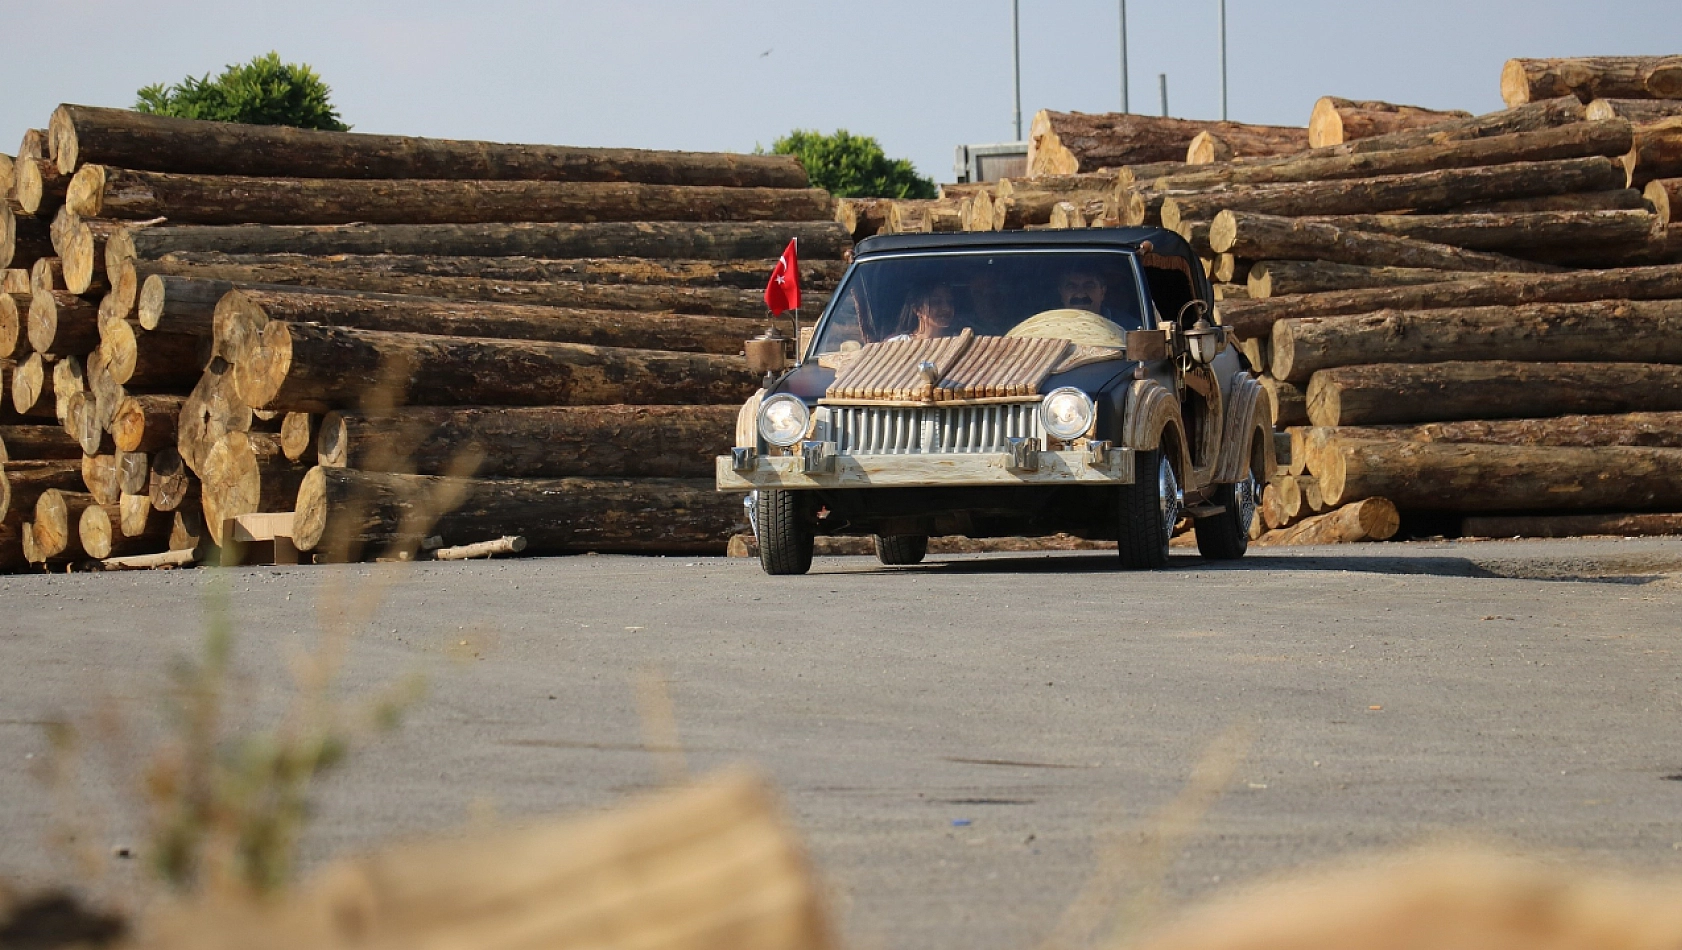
point(264, 91)
point(853, 166)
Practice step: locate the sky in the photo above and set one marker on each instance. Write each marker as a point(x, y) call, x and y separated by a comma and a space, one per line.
point(922, 76)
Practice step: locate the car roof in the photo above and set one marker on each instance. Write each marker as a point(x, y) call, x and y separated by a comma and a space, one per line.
point(1162, 240)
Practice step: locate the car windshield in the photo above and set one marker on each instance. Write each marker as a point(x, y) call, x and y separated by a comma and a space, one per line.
point(991, 294)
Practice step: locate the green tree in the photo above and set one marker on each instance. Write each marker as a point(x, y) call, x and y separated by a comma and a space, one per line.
point(853, 166)
point(264, 91)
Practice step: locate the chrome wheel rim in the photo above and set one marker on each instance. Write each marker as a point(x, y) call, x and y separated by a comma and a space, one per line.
point(1168, 497)
point(1245, 494)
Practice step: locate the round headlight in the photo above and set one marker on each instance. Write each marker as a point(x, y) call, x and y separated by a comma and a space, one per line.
point(1066, 414)
point(783, 420)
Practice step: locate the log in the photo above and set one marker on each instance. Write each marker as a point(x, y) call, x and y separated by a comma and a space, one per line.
point(88, 134)
point(1508, 233)
point(1436, 392)
point(23, 240)
point(1256, 317)
point(135, 514)
point(185, 557)
point(1067, 143)
point(170, 484)
point(187, 531)
point(1635, 110)
point(32, 388)
point(101, 191)
point(69, 377)
point(22, 481)
point(146, 423)
point(1591, 77)
point(1437, 476)
point(1370, 519)
point(1662, 193)
point(211, 411)
point(473, 318)
point(1622, 199)
point(35, 144)
point(1287, 404)
point(1313, 502)
point(750, 275)
point(819, 240)
point(15, 281)
point(101, 476)
point(1599, 331)
point(298, 435)
point(513, 544)
point(1655, 152)
point(1415, 191)
point(862, 217)
point(81, 424)
point(1271, 237)
point(1650, 429)
point(1334, 121)
point(98, 530)
point(80, 244)
point(1024, 207)
point(245, 473)
point(14, 329)
point(19, 442)
point(39, 186)
point(57, 514)
point(630, 441)
point(62, 323)
point(132, 473)
point(1618, 525)
point(342, 512)
point(1247, 141)
point(1281, 502)
point(1285, 278)
point(314, 368)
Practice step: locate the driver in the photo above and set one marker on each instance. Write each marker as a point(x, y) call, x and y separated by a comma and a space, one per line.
point(1083, 288)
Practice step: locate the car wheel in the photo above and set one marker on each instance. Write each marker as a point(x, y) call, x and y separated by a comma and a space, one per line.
point(1226, 536)
point(1149, 508)
point(785, 535)
point(901, 548)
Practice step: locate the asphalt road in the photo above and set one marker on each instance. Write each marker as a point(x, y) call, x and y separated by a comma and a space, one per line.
point(955, 741)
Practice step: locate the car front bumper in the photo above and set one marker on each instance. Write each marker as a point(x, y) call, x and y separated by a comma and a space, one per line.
point(815, 468)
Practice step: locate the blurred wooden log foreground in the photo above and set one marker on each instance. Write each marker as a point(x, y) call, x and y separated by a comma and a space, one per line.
point(711, 865)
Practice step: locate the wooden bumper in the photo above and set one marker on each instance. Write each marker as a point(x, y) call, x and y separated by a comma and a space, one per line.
point(927, 471)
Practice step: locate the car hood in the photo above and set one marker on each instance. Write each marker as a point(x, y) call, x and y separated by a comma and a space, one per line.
point(962, 369)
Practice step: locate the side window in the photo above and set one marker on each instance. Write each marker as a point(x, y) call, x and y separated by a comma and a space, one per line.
point(1170, 282)
point(844, 327)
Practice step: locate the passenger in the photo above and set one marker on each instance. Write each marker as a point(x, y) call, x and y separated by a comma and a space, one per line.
point(928, 314)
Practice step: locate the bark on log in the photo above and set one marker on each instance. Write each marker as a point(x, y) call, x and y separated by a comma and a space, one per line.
point(1476, 478)
point(1654, 152)
point(23, 240)
point(20, 442)
point(1334, 121)
point(1638, 111)
point(100, 191)
point(1508, 233)
point(1238, 141)
point(57, 514)
point(101, 535)
point(1622, 199)
point(22, 481)
point(170, 484)
point(1591, 77)
point(1438, 392)
point(1271, 237)
point(343, 512)
point(146, 423)
point(1370, 519)
point(88, 134)
point(313, 368)
point(1599, 331)
point(245, 473)
point(819, 240)
point(1067, 143)
point(472, 318)
point(1619, 525)
point(1663, 194)
point(749, 275)
point(628, 441)
point(1287, 403)
point(39, 187)
point(1256, 317)
point(1657, 430)
point(1285, 278)
point(1416, 191)
point(62, 323)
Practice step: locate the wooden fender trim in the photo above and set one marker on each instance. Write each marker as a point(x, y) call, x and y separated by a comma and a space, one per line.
point(1247, 413)
point(1151, 410)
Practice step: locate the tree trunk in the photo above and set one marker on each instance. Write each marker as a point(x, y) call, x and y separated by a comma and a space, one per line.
point(1371, 519)
point(39, 186)
point(1664, 194)
point(1025, 206)
point(18, 443)
point(1270, 237)
point(1591, 77)
point(1334, 121)
point(472, 318)
point(343, 512)
point(314, 368)
point(1477, 478)
point(170, 484)
point(23, 239)
point(62, 323)
point(1417, 191)
point(607, 441)
point(1600, 331)
point(1656, 152)
point(1620, 525)
point(1621, 199)
point(1508, 232)
point(825, 240)
point(1288, 404)
point(1066, 143)
point(87, 134)
point(1439, 392)
point(1250, 318)
point(1102, 182)
point(57, 514)
point(245, 473)
point(1639, 111)
point(1225, 145)
point(1659, 430)
point(1285, 278)
point(146, 423)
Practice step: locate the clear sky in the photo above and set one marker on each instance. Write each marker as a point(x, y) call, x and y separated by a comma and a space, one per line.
point(920, 75)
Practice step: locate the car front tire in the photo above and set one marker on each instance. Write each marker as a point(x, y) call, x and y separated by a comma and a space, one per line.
point(786, 538)
point(1148, 511)
point(901, 549)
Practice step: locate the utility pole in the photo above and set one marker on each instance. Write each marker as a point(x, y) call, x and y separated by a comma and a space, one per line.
point(1016, 55)
point(1223, 60)
point(1124, 105)
point(1162, 85)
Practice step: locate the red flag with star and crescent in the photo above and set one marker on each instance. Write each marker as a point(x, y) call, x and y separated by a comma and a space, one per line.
point(783, 291)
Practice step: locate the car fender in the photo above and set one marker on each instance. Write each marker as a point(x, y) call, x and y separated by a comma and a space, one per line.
point(1247, 413)
point(1151, 411)
point(747, 421)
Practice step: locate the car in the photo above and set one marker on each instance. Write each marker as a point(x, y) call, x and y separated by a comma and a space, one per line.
point(1003, 384)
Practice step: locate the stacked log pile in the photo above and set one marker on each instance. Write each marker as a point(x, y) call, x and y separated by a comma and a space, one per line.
point(352, 345)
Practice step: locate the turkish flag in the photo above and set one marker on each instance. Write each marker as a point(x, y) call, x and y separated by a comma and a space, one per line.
point(783, 292)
